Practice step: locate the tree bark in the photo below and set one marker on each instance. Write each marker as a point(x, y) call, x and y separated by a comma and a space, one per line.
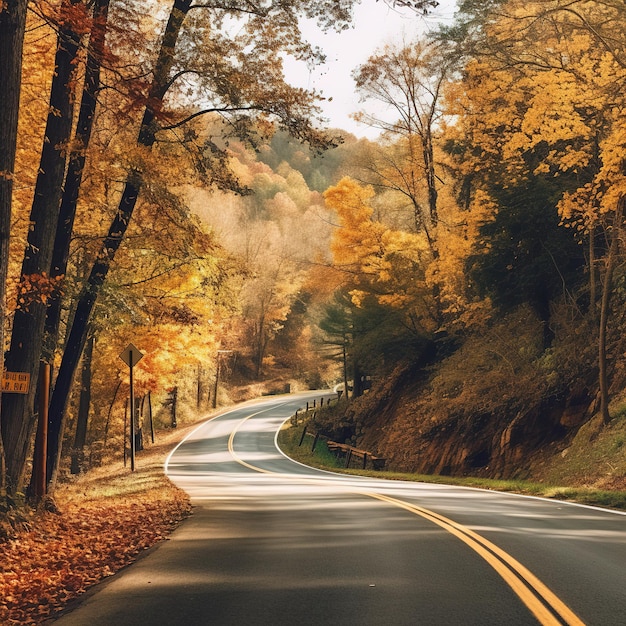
point(78, 330)
point(82, 418)
point(87, 299)
point(12, 28)
point(76, 166)
point(28, 322)
point(607, 289)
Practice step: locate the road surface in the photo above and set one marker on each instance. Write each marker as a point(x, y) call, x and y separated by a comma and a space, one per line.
point(272, 542)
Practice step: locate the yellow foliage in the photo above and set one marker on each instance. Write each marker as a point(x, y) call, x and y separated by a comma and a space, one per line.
point(38, 66)
point(559, 94)
point(378, 261)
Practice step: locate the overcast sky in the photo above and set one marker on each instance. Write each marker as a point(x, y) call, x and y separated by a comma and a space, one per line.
point(375, 24)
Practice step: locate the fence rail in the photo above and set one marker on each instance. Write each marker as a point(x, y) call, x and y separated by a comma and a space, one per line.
point(344, 450)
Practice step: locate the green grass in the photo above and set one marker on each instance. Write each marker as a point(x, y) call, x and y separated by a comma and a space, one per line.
point(289, 439)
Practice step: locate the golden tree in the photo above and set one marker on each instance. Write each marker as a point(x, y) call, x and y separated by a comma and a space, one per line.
point(543, 97)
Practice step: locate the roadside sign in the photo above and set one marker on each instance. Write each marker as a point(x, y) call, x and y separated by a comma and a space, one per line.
point(15, 382)
point(137, 355)
point(131, 356)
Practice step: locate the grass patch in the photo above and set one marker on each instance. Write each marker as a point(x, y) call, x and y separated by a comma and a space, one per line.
point(322, 457)
point(289, 438)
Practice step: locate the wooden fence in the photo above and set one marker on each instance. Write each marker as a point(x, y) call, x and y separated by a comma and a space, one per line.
point(342, 450)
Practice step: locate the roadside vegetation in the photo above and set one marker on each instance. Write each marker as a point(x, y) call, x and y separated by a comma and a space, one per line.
point(577, 476)
point(462, 277)
point(103, 521)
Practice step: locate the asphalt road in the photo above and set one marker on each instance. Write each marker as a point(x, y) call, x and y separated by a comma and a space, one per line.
point(272, 542)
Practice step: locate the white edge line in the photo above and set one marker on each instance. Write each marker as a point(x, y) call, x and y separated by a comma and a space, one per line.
point(406, 482)
point(225, 411)
point(202, 424)
point(419, 482)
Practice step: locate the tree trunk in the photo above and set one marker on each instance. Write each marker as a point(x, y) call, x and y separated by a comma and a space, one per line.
point(78, 330)
point(607, 290)
point(260, 347)
point(138, 430)
point(174, 422)
point(82, 419)
point(592, 269)
point(75, 170)
point(28, 322)
point(431, 178)
point(117, 230)
point(12, 28)
point(105, 437)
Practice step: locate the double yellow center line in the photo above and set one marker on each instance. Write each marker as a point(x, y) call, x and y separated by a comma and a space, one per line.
point(548, 609)
point(542, 603)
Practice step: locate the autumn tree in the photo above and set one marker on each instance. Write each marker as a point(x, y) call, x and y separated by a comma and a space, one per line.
point(169, 294)
point(337, 339)
point(407, 79)
point(277, 237)
point(76, 167)
point(36, 286)
point(320, 170)
point(225, 71)
point(541, 98)
point(384, 273)
point(191, 63)
point(12, 28)
point(523, 255)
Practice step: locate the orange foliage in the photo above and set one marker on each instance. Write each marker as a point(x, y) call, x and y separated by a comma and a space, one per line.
point(37, 288)
point(64, 555)
point(379, 260)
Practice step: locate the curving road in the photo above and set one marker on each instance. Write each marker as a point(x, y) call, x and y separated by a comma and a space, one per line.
point(272, 542)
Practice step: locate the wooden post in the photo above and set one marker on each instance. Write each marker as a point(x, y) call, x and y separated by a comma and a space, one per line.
point(131, 356)
point(348, 457)
point(174, 422)
point(41, 445)
point(364, 460)
point(302, 436)
point(131, 362)
point(125, 425)
point(217, 381)
point(199, 388)
point(150, 416)
point(317, 436)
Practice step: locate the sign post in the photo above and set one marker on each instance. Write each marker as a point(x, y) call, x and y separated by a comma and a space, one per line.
point(131, 356)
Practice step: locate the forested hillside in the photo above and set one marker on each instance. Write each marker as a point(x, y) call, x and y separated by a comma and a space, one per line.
point(462, 276)
point(483, 261)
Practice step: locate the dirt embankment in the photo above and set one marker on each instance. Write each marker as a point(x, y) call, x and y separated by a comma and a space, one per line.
point(400, 421)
